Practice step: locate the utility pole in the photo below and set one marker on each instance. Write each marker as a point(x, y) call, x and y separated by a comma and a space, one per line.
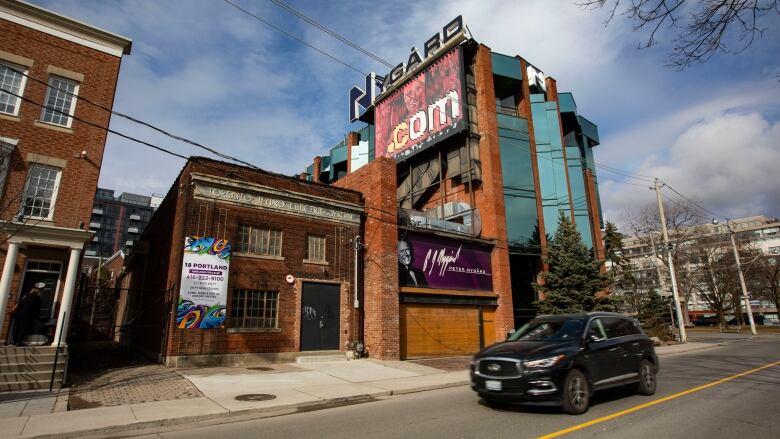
point(742, 280)
point(661, 277)
point(675, 294)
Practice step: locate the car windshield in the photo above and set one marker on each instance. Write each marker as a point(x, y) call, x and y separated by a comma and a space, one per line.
point(549, 330)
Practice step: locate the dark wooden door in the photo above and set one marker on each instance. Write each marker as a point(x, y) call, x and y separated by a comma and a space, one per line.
point(320, 317)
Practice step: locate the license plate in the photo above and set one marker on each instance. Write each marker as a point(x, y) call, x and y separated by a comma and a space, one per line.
point(493, 385)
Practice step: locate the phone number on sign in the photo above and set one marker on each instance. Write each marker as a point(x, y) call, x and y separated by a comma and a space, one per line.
point(204, 277)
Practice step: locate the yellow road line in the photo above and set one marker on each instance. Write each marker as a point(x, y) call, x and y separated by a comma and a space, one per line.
point(652, 403)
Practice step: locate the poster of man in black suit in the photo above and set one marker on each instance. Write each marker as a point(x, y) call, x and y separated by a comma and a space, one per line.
point(408, 276)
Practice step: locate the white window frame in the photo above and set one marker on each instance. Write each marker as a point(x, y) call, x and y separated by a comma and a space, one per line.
point(55, 191)
point(74, 100)
point(7, 146)
point(312, 241)
point(24, 71)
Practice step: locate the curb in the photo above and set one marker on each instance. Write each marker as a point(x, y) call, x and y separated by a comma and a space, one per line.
point(268, 412)
point(240, 415)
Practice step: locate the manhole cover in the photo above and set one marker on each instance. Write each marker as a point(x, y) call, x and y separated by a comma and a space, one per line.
point(261, 368)
point(255, 397)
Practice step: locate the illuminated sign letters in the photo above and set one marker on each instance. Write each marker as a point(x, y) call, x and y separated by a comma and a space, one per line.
point(360, 98)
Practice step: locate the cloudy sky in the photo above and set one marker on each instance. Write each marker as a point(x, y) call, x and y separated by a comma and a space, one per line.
point(205, 70)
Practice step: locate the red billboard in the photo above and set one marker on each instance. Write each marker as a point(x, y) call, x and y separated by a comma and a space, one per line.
point(427, 109)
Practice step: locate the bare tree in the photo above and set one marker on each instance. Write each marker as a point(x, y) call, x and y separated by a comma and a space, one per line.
point(713, 266)
point(702, 28)
point(764, 278)
point(684, 223)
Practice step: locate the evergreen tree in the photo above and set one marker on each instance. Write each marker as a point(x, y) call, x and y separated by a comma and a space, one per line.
point(613, 243)
point(574, 277)
point(654, 315)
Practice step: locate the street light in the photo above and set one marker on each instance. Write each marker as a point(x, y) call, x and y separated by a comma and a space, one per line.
point(741, 277)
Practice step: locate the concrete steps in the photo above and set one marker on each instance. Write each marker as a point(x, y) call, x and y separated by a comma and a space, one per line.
point(30, 367)
point(320, 356)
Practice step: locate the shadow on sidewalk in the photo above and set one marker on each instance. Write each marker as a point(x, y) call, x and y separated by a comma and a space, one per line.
point(104, 375)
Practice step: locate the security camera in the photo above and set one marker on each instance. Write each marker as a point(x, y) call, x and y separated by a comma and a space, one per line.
point(84, 153)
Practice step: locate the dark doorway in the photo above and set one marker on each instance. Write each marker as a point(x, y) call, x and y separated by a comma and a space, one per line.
point(48, 274)
point(523, 270)
point(320, 317)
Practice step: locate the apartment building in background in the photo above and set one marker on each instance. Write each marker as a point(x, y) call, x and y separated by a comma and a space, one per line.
point(118, 221)
point(752, 234)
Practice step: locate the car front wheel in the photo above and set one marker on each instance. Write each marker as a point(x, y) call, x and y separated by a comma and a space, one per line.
point(647, 382)
point(576, 395)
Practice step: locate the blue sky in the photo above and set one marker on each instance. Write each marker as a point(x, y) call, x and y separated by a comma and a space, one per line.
point(206, 71)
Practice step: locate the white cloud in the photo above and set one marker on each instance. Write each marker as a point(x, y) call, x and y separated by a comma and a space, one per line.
point(212, 74)
point(727, 163)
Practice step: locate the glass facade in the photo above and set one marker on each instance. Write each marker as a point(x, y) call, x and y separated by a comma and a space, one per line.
point(519, 191)
point(553, 183)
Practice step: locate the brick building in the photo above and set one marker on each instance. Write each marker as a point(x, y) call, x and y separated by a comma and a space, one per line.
point(486, 155)
point(290, 283)
point(50, 160)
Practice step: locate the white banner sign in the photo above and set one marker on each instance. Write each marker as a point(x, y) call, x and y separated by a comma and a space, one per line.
point(204, 282)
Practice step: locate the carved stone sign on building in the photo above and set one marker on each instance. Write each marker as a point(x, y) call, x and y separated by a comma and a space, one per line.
point(275, 202)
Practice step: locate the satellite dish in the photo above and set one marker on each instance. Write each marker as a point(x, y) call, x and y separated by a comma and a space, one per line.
point(290, 279)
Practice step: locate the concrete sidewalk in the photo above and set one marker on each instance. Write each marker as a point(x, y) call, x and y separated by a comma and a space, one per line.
point(255, 392)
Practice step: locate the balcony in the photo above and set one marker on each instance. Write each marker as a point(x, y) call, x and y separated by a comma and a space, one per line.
point(129, 243)
point(133, 230)
point(97, 211)
point(135, 217)
point(94, 225)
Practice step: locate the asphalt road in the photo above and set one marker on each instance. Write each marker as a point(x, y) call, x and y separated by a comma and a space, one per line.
point(747, 406)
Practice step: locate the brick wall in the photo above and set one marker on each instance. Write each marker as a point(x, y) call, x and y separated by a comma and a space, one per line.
point(79, 176)
point(490, 197)
point(377, 180)
point(181, 214)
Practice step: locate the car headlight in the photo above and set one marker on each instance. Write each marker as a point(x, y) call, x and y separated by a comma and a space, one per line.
point(544, 362)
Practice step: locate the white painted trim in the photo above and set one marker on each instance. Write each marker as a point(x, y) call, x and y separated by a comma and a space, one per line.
point(66, 28)
point(25, 71)
point(74, 99)
point(57, 288)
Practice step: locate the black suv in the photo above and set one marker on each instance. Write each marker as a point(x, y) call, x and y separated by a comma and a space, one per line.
point(562, 359)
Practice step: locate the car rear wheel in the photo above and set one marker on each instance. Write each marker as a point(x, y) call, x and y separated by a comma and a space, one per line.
point(576, 394)
point(647, 382)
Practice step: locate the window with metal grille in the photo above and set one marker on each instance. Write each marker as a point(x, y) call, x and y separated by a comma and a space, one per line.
point(316, 248)
point(255, 309)
point(259, 241)
point(60, 101)
point(12, 81)
point(40, 191)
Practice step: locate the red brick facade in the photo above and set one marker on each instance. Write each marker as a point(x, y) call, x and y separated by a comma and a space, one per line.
point(77, 150)
point(184, 213)
point(380, 277)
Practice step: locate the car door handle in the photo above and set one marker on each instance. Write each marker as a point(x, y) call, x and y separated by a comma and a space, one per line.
point(635, 344)
point(617, 348)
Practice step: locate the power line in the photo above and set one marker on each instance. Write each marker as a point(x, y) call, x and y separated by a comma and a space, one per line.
point(92, 124)
point(368, 53)
point(321, 27)
point(133, 119)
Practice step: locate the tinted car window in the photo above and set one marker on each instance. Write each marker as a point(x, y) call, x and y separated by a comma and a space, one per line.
point(632, 327)
point(597, 329)
point(616, 327)
point(552, 330)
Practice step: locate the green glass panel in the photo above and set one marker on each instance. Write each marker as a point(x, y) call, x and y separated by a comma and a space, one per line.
point(506, 66)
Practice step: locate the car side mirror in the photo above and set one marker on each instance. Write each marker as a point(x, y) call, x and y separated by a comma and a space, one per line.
point(509, 333)
point(593, 338)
